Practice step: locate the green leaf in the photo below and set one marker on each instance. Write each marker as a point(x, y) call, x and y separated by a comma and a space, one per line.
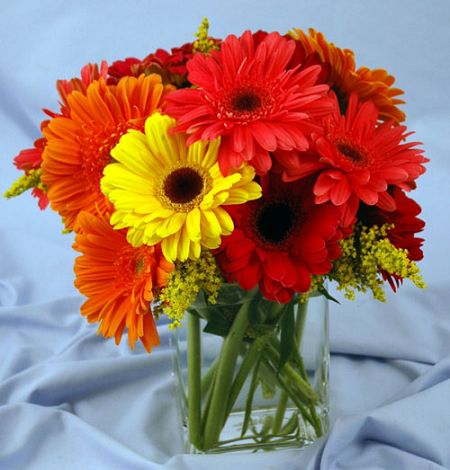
point(327, 295)
point(264, 314)
point(231, 294)
point(219, 323)
point(287, 335)
point(219, 316)
point(249, 401)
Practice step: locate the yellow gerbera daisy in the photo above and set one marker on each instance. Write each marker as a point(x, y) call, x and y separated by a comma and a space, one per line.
point(164, 191)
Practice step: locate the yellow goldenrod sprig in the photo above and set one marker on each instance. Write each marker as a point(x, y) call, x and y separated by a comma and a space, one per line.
point(185, 282)
point(316, 285)
point(364, 254)
point(203, 43)
point(32, 179)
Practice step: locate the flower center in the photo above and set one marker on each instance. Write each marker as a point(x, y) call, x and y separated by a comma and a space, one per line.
point(132, 264)
point(183, 188)
point(183, 185)
point(358, 156)
point(275, 222)
point(350, 153)
point(95, 149)
point(246, 101)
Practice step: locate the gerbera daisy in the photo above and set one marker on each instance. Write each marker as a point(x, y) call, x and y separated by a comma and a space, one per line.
point(280, 240)
point(30, 160)
point(118, 280)
point(129, 67)
point(170, 65)
point(374, 85)
point(245, 94)
point(357, 159)
point(89, 73)
point(78, 147)
point(405, 225)
point(166, 192)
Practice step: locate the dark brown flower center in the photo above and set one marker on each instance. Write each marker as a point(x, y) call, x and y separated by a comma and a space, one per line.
point(275, 221)
point(355, 155)
point(183, 185)
point(246, 102)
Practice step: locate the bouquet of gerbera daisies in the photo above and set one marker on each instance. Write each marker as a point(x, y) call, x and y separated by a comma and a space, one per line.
point(231, 179)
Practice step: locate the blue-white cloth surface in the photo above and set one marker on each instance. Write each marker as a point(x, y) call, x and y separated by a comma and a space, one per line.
point(72, 400)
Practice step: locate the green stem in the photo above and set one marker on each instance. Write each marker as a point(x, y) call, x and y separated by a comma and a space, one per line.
point(279, 415)
point(275, 443)
point(224, 377)
point(304, 384)
point(194, 380)
point(293, 396)
point(249, 361)
point(300, 321)
point(208, 377)
point(291, 425)
point(304, 389)
point(249, 401)
point(299, 327)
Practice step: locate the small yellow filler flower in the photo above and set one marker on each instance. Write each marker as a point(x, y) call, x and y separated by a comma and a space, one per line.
point(164, 191)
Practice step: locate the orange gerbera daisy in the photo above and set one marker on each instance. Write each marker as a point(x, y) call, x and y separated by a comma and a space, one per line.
point(374, 85)
point(118, 280)
point(78, 145)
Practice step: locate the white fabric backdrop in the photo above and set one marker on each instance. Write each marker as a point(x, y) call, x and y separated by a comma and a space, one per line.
point(69, 399)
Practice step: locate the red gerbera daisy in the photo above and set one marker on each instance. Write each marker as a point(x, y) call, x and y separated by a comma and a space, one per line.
point(130, 67)
point(247, 95)
point(357, 159)
point(280, 240)
point(405, 223)
point(31, 159)
point(170, 65)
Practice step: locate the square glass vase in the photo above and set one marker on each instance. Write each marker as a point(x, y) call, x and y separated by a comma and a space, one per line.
point(251, 374)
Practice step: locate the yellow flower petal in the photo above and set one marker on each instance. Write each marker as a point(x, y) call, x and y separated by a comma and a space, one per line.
point(195, 250)
point(193, 225)
point(210, 225)
point(225, 220)
point(184, 245)
point(132, 153)
point(161, 143)
point(169, 247)
point(119, 177)
point(171, 225)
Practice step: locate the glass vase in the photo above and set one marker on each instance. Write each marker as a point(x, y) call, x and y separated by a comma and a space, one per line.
point(252, 374)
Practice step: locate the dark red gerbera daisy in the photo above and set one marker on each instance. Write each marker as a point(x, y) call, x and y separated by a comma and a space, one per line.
point(246, 94)
point(170, 65)
point(357, 159)
point(280, 240)
point(406, 225)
